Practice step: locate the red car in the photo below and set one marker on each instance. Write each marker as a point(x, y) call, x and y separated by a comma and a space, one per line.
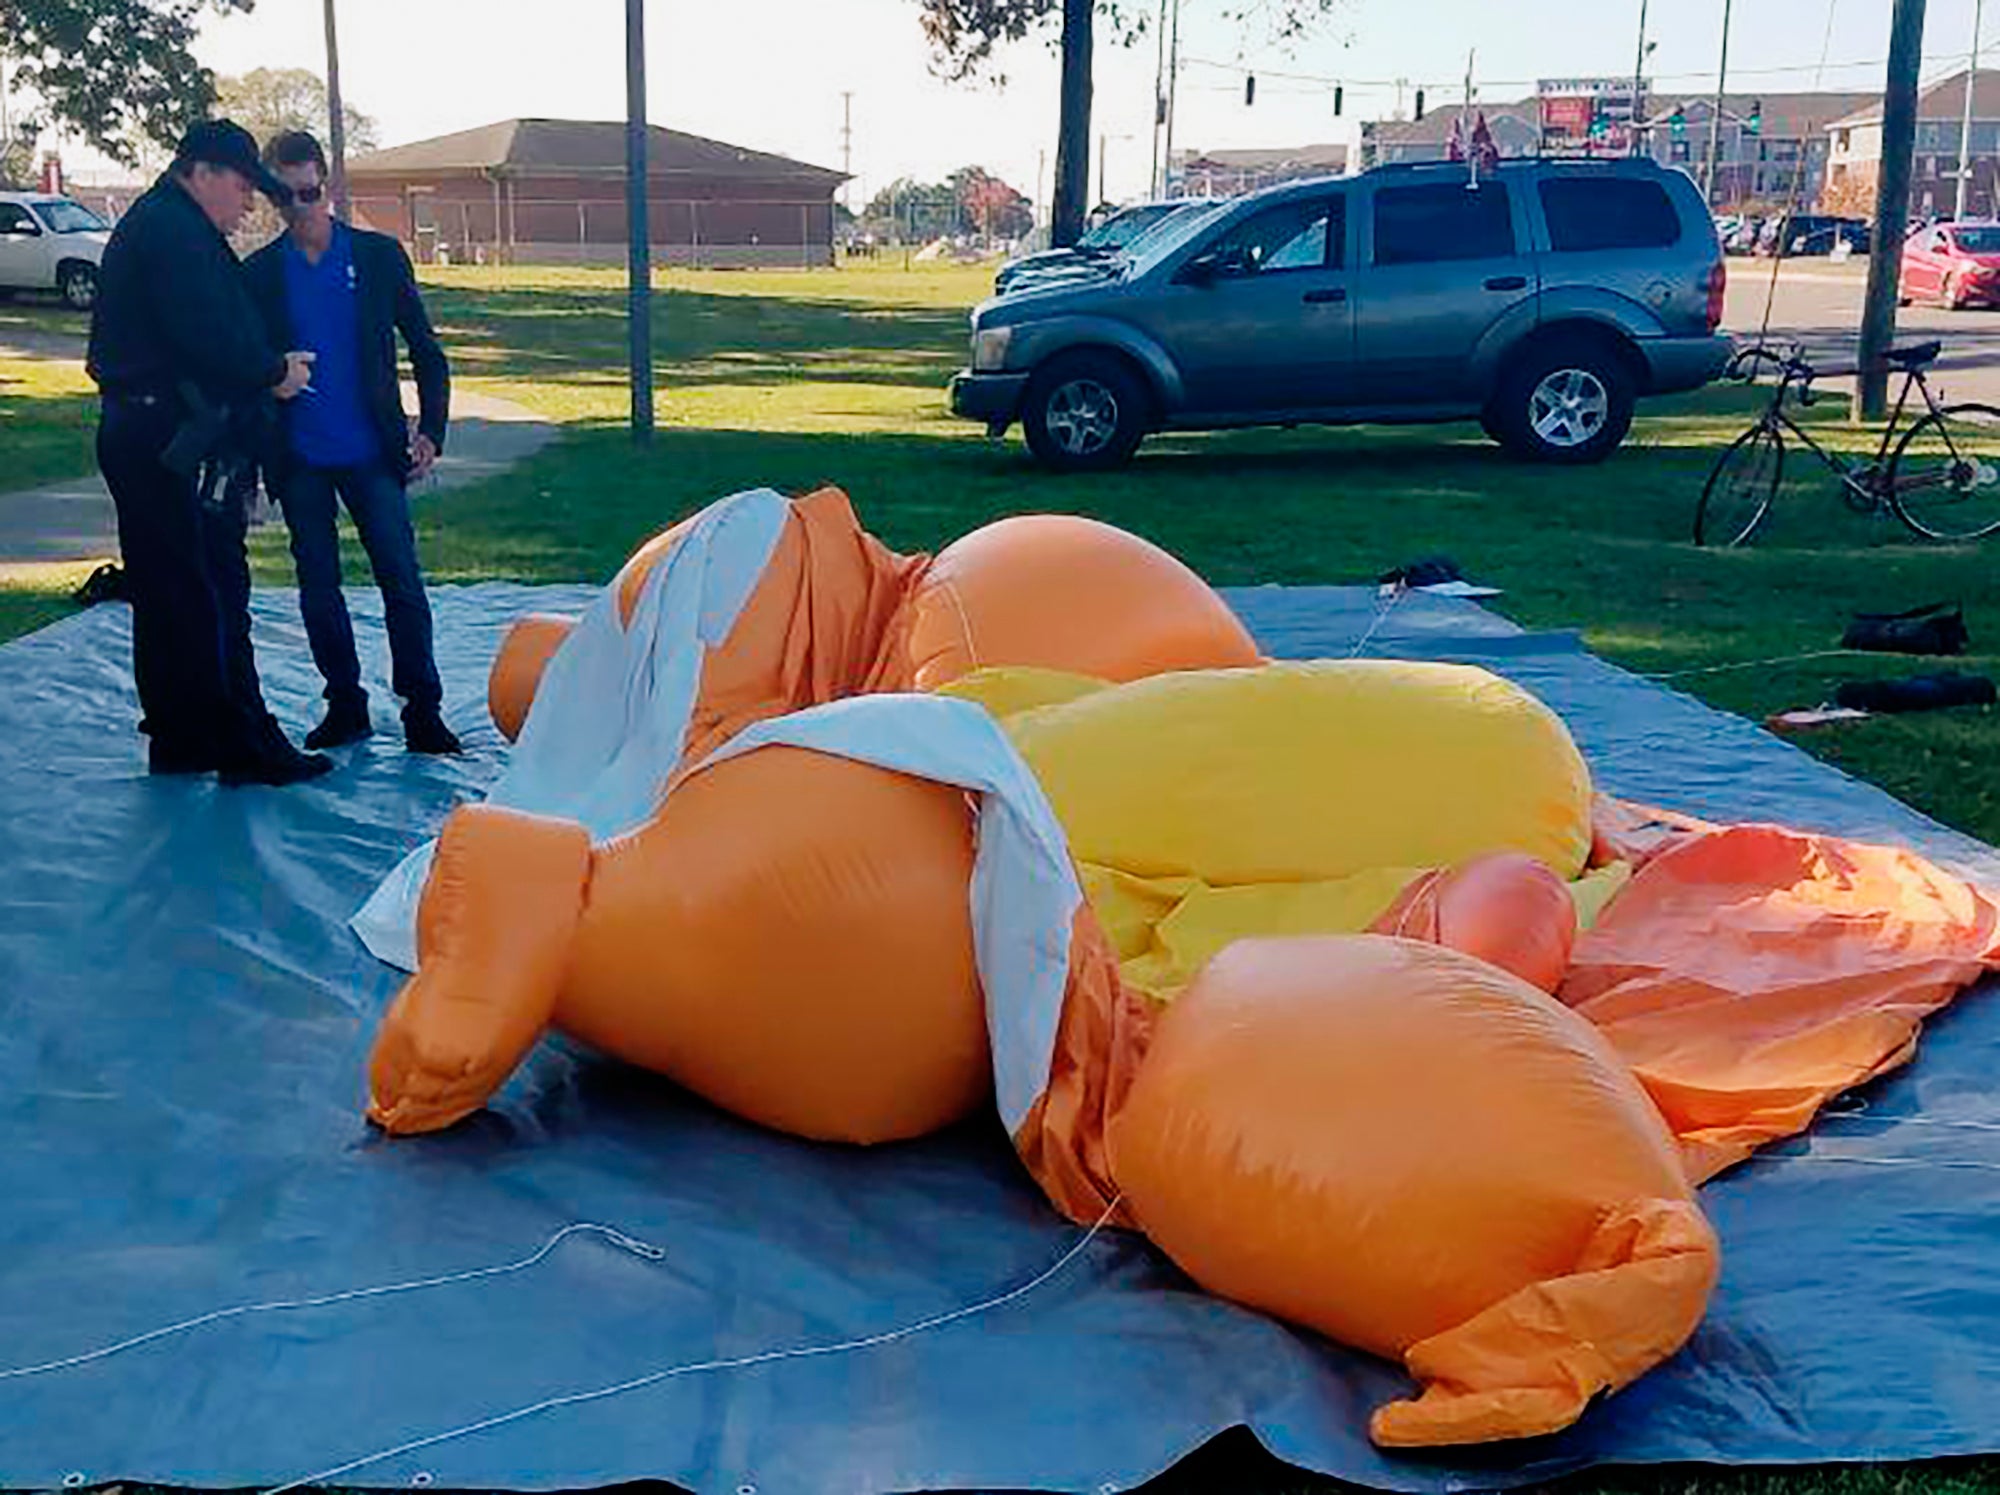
point(1954, 264)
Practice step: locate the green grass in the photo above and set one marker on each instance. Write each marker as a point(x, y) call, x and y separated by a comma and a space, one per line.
point(797, 379)
point(793, 379)
point(47, 410)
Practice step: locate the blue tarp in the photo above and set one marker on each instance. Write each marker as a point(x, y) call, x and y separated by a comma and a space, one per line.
point(184, 1019)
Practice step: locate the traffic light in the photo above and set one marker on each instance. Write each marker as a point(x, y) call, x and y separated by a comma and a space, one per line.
point(1755, 123)
point(1678, 122)
point(1420, 103)
point(1338, 94)
point(1249, 89)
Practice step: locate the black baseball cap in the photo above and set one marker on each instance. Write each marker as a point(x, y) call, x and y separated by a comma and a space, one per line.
point(223, 142)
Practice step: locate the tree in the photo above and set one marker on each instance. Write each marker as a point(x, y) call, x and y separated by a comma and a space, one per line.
point(268, 101)
point(988, 206)
point(965, 33)
point(116, 72)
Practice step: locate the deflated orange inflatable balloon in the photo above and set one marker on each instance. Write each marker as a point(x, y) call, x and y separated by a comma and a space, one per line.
point(1419, 1155)
point(1398, 1139)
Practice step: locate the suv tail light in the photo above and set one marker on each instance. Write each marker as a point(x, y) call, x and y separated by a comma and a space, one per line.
point(1716, 284)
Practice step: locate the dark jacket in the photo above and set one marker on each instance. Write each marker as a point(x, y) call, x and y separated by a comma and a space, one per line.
point(389, 304)
point(172, 308)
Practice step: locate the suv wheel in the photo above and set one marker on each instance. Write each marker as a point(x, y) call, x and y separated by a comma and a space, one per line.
point(78, 284)
point(1085, 412)
point(1567, 402)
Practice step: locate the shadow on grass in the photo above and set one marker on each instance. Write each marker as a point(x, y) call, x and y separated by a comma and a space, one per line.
point(699, 337)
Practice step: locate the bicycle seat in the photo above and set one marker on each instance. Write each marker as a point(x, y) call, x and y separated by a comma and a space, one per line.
point(1915, 356)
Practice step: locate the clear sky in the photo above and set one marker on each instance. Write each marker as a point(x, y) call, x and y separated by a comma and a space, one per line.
point(770, 73)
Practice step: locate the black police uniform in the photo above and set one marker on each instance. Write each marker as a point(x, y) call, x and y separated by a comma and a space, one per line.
point(175, 340)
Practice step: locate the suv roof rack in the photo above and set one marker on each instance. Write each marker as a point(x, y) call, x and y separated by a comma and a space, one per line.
point(1606, 162)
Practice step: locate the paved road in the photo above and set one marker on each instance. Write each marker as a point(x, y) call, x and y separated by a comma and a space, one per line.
point(74, 521)
point(1821, 307)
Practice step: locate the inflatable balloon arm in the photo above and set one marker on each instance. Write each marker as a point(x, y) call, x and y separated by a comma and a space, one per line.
point(493, 938)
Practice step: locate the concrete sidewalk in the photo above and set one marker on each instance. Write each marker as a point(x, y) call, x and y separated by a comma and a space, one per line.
point(74, 521)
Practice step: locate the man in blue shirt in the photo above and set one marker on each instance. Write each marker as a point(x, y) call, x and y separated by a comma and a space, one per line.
point(343, 294)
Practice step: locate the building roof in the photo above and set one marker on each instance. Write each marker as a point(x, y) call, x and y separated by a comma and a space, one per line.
point(1327, 158)
point(1944, 99)
point(575, 147)
point(1435, 127)
point(1786, 116)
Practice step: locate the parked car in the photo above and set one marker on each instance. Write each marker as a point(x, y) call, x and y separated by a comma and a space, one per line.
point(1122, 232)
point(1813, 234)
point(50, 244)
point(1543, 302)
point(1954, 264)
point(1743, 235)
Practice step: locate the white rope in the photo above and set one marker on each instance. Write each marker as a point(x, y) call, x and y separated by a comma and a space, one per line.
point(1382, 611)
point(1757, 664)
point(1859, 1111)
point(617, 1238)
point(1809, 1157)
point(700, 1367)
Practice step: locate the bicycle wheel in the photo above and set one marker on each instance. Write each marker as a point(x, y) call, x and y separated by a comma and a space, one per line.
point(1740, 488)
point(1944, 481)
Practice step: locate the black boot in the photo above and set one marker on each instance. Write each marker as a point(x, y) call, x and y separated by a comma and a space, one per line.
point(264, 755)
point(173, 757)
point(346, 721)
point(424, 731)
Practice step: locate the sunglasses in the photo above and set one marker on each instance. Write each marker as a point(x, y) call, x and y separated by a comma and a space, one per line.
point(301, 195)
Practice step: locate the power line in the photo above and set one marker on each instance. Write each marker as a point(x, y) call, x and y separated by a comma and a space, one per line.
point(1329, 80)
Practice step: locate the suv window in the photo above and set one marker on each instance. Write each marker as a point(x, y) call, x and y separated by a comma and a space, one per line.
point(1443, 221)
point(1303, 235)
point(16, 219)
point(1586, 213)
point(69, 218)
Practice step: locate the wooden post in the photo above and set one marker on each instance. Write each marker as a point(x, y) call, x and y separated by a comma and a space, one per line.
point(639, 306)
point(1892, 207)
point(336, 122)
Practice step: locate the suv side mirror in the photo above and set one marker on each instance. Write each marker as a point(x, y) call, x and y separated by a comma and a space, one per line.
point(1216, 264)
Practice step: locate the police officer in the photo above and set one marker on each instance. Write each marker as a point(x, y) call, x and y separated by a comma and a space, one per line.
point(183, 361)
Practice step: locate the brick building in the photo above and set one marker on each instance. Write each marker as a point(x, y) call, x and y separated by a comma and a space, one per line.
point(552, 191)
point(1856, 155)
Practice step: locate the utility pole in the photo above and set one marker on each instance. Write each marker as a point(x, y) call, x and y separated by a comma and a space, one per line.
point(1103, 151)
point(1965, 125)
point(847, 146)
point(638, 209)
point(1715, 115)
point(1158, 184)
point(1892, 206)
point(336, 120)
point(1173, 95)
point(1638, 77)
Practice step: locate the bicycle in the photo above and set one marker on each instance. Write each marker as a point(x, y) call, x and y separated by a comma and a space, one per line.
point(1942, 481)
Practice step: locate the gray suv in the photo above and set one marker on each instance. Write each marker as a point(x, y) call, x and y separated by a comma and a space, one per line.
point(1542, 300)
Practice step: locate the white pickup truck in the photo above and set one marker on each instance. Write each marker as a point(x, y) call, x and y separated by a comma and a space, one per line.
point(50, 244)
